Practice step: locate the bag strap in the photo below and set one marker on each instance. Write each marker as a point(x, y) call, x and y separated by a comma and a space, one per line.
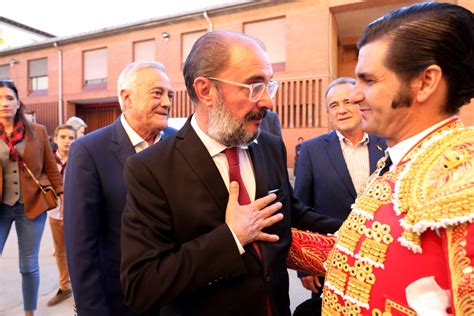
point(33, 177)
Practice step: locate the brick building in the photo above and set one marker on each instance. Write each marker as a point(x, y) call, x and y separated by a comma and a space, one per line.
point(310, 43)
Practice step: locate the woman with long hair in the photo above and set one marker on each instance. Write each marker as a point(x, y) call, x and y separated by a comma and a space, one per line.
point(24, 145)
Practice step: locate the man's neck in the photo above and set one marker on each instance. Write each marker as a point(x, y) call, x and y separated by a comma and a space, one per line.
point(354, 136)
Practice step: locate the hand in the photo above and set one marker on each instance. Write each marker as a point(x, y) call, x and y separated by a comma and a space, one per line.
point(311, 282)
point(61, 207)
point(247, 221)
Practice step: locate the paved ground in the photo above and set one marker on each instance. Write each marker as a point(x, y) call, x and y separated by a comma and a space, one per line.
point(10, 281)
point(11, 302)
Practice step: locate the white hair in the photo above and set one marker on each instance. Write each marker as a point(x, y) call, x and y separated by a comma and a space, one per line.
point(128, 76)
point(76, 122)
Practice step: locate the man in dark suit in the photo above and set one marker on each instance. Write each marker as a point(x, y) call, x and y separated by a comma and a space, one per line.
point(334, 167)
point(271, 124)
point(96, 191)
point(206, 228)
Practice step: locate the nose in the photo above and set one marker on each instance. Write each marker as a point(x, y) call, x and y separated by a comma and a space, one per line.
point(356, 96)
point(265, 102)
point(166, 101)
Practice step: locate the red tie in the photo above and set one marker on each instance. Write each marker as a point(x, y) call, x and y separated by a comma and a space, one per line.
point(234, 175)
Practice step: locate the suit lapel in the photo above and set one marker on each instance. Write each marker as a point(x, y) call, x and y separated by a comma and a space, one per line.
point(121, 145)
point(261, 190)
point(376, 151)
point(334, 151)
point(201, 163)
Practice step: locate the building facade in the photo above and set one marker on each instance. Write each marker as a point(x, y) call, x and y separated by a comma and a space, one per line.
point(310, 43)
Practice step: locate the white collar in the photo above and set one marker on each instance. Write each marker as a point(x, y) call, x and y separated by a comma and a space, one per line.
point(213, 147)
point(398, 151)
point(132, 135)
point(342, 138)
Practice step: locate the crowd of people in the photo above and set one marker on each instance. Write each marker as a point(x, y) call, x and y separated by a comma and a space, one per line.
point(155, 221)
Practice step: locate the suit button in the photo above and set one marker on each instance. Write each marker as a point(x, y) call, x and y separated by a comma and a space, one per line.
point(15, 182)
point(267, 277)
point(14, 171)
point(16, 193)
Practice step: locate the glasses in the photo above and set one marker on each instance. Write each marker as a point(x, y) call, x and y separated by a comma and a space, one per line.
point(256, 89)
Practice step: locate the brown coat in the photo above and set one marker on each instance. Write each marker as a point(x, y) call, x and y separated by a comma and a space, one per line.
point(40, 159)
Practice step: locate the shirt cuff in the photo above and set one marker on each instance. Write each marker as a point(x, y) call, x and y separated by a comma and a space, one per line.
point(239, 245)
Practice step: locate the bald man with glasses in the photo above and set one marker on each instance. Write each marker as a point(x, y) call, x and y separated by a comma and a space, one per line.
point(206, 228)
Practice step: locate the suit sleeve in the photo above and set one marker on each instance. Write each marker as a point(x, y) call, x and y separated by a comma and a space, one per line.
point(82, 224)
point(304, 182)
point(151, 254)
point(277, 126)
point(50, 167)
point(304, 217)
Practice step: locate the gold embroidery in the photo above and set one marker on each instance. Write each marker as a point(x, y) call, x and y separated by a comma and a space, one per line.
point(376, 195)
point(437, 188)
point(462, 274)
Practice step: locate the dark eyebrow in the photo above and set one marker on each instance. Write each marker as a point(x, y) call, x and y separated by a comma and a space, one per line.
point(363, 76)
point(255, 78)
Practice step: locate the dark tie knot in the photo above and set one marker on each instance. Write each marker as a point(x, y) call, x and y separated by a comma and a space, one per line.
point(388, 163)
point(232, 156)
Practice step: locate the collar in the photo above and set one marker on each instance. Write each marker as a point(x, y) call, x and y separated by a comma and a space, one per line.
point(213, 147)
point(132, 135)
point(345, 140)
point(398, 151)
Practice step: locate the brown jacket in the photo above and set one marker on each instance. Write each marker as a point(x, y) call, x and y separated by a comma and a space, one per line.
point(40, 159)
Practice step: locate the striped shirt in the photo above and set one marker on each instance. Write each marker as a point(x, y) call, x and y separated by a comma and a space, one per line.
point(356, 157)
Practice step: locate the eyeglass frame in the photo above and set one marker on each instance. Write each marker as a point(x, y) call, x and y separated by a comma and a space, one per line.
point(251, 87)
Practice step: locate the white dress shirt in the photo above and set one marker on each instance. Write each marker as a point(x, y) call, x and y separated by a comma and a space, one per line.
point(138, 143)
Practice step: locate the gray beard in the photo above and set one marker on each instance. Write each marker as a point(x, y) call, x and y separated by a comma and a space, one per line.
point(226, 129)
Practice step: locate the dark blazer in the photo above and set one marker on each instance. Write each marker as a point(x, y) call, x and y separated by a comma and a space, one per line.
point(322, 178)
point(177, 250)
point(271, 123)
point(95, 193)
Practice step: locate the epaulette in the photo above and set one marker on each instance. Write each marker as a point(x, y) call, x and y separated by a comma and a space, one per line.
point(436, 188)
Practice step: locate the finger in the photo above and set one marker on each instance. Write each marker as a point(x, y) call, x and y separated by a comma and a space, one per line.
point(264, 201)
point(305, 284)
point(233, 193)
point(310, 286)
point(267, 237)
point(317, 282)
point(269, 210)
point(272, 220)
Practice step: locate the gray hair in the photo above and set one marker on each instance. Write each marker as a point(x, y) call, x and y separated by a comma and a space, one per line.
point(76, 122)
point(339, 81)
point(210, 55)
point(128, 76)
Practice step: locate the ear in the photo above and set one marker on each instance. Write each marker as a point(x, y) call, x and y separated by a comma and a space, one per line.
point(204, 91)
point(125, 95)
point(427, 83)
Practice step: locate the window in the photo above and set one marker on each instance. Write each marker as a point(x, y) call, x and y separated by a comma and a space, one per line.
point(38, 74)
point(187, 42)
point(4, 72)
point(95, 68)
point(272, 33)
point(144, 51)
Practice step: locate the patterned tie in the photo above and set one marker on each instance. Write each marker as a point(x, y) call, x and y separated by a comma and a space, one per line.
point(234, 175)
point(386, 167)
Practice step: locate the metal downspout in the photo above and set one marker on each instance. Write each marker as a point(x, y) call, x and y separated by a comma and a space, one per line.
point(60, 83)
point(211, 26)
